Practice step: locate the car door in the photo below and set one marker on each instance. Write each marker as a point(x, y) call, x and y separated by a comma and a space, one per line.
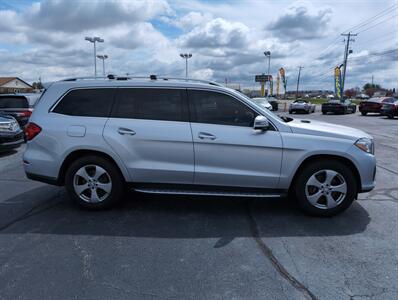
point(228, 152)
point(149, 130)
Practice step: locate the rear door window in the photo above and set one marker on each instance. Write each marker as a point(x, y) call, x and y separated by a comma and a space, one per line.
point(151, 104)
point(86, 103)
point(13, 102)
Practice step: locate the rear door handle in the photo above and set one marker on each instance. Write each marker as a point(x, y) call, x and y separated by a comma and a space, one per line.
point(124, 131)
point(205, 135)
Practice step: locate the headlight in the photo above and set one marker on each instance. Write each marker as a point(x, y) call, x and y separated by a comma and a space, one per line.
point(365, 144)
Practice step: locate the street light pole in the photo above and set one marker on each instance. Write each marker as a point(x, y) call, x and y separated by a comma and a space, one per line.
point(186, 56)
point(103, 57)
point(268, 54)
point(94, 40)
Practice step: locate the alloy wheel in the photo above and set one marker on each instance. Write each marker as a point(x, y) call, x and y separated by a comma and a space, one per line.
point(326, 189)
point(92, 183)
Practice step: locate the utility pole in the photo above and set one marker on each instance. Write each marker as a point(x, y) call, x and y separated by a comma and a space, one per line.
point(372, 80)
point(346, 52)
point(298, 80)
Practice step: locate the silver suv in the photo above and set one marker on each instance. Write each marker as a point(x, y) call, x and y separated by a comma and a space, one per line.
point(177, 136)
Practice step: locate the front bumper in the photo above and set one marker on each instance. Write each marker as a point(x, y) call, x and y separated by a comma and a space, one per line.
point(366, 166)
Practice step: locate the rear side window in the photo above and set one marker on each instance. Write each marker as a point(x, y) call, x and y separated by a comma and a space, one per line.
point(86, 103)
point(151, 104)
point(13, 102)
point(217, 108)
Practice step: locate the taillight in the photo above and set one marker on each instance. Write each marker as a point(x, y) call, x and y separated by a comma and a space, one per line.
point(26, 113)
point(31, 130)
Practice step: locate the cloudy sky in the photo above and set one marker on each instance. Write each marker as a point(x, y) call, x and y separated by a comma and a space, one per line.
point(227, 39)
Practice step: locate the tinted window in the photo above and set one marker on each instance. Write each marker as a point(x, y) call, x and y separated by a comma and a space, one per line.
point(218, 108)
point(152, 104)
point(13, 102)
point(86, 102)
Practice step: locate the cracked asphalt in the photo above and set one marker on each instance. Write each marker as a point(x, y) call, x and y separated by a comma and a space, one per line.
point(169, 247)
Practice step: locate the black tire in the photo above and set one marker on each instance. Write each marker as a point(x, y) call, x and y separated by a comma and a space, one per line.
point(324, 113)
point(290, 112)
point(112, 172)
point(308, 171)
point(390, 116)
point(364, 113)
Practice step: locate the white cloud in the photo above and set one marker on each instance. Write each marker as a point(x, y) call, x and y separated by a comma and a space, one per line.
point(217, 33)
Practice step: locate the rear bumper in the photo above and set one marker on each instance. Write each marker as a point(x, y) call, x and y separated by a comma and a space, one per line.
point(11, 145)
point(369, 109)
point(333, 108)
point(11, 141)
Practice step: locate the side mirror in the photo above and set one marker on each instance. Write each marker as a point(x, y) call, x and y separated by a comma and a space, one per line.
point(261, 123)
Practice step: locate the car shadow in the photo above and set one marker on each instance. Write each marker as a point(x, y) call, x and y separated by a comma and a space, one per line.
point(177, 217)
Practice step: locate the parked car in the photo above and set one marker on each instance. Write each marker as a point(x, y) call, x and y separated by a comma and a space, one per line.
point(339, 107)
point(374, 105)
point(20, 106)
point(274, 102)
point(98, 137)
point(390, 109)
point(11, 135)
point(263, 102)
point(303, 106)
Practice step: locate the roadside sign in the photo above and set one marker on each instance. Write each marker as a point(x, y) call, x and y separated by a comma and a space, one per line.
point(263, 78)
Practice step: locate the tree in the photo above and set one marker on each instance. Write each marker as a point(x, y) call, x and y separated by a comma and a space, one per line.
point(370, 89)
point(371, 86)
point(351, 93)
point(37, 85)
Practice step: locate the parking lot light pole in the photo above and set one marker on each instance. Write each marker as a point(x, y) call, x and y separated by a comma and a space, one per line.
point(268, 54)
point(103, 57)
point(186, 56)
point(94, 40)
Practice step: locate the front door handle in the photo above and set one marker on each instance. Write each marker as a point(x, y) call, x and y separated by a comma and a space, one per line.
point(124, 131)
point(205, 135)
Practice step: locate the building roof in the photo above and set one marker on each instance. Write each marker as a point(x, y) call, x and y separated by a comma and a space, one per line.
point(4, 80)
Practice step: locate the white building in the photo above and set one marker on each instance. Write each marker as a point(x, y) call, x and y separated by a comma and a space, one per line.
point(14, 85)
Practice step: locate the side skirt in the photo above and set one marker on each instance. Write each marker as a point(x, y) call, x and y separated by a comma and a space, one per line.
point(208, 190)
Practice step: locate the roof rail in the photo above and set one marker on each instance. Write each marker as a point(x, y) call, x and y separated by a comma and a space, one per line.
point(151, 77)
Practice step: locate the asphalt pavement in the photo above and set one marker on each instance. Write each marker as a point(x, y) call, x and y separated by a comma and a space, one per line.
point(169, 247)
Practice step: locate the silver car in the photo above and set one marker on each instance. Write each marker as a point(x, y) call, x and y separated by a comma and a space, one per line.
point(177, 136)
point(302, 106)
point(263, 102)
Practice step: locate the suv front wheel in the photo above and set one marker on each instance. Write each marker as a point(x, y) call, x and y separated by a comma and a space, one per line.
point(94, 183)
point(325, 188)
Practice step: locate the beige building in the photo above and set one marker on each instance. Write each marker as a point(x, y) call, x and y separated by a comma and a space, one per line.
point(14, 85)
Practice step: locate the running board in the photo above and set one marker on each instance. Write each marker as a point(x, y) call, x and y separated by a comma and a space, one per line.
point(207, 193)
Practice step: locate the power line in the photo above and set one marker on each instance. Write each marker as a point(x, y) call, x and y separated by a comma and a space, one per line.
point(382, 13)
point(374, 25)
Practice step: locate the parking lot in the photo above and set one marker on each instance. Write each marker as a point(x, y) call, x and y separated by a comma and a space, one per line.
point(170, 247)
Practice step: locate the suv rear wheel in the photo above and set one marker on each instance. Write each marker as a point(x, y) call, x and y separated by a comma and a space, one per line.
point(325, 188)
point(94, 183)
